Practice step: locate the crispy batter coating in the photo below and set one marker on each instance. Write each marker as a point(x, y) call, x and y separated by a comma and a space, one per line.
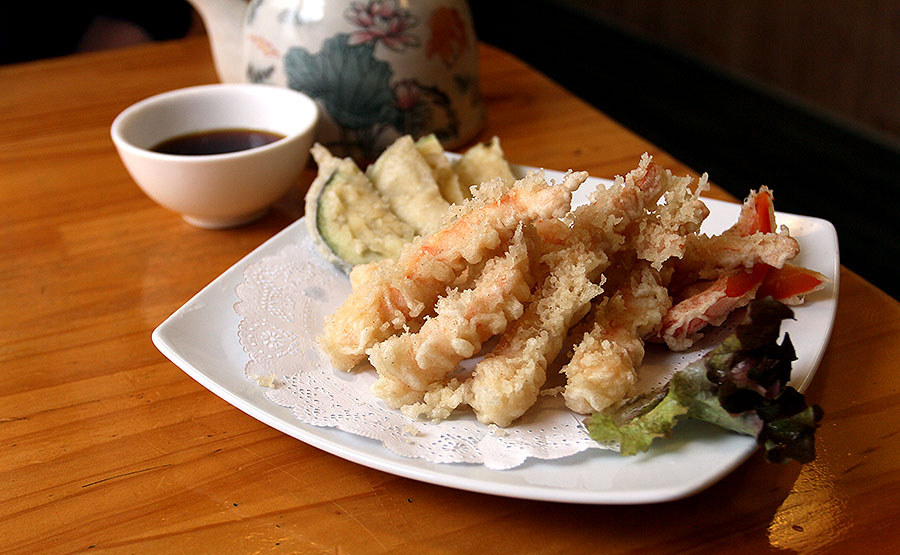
point(604, 222)
point(718, 275)
point(705, 257)
point(518, 263)
point(397, 291)
point(409, 363)
point(663, 234)
point(604, 365)
point(507, 382)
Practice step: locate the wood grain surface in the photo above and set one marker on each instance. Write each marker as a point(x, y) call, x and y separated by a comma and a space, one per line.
point(106, 445)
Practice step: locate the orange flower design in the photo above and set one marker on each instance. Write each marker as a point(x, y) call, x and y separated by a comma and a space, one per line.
point(448, 35)
point(265, 46)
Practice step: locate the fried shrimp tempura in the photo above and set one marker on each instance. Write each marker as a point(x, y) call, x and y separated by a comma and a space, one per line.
point(410, 363)
point(663, 235)
point(753, 239)
point(604, 365)
point(603, 223)
point(705, 256)
point(710, 306)
point(507, 382)
point(721, 274)
point(397, 291)
point(627, 267)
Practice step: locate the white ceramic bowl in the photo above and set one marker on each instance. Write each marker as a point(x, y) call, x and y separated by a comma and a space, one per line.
point(217, 190)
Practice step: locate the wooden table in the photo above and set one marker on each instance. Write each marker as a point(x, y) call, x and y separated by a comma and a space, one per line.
point(106, 444)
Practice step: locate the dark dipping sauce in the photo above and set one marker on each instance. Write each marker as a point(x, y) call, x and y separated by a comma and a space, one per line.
point(216, 141)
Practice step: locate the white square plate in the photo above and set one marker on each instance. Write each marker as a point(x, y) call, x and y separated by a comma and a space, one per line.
point(201, 338)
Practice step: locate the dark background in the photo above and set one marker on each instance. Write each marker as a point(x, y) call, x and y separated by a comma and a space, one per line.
point(664, 76)
point(31, 30)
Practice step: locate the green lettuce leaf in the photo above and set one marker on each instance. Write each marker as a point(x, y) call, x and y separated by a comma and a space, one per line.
point(741, 385)
point(636, 435)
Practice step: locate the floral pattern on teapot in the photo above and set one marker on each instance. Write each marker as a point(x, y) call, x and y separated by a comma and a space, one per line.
point(389, 72)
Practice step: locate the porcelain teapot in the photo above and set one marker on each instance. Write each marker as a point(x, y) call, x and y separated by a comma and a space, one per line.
point(378, 69)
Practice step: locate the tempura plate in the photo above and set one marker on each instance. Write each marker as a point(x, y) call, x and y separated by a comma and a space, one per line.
point(201, 338)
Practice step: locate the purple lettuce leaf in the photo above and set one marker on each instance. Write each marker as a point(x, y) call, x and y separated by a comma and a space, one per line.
point(741, 385)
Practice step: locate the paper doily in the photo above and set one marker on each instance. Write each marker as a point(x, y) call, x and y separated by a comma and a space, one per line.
point(285, 298)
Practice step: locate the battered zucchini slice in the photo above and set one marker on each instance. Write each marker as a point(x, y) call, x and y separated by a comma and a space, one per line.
point(357, 218)
point(482, 162)
point(403, 178)
point(349, 221)
point(448, 182)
